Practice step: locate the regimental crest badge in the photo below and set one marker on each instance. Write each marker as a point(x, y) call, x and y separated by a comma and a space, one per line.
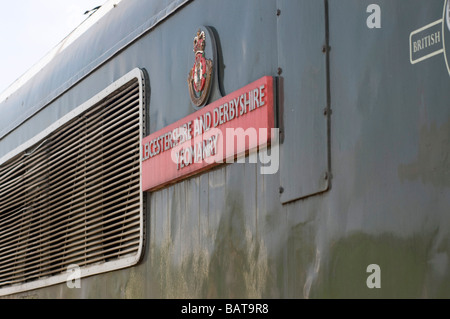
point(200, 76)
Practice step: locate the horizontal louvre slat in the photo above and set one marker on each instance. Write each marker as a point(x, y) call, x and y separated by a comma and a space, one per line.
point(53, 165)
point(62, 267)
point(91, 136)
point(87, 187)
point(45, 240)
point(113, 107)
point(74, 197)
point(49, 262)
point(53, 256)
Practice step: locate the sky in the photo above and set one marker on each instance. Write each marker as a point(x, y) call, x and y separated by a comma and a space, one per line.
point(29, 29)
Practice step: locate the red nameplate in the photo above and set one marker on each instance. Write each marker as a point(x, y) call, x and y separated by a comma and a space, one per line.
point(236, 124)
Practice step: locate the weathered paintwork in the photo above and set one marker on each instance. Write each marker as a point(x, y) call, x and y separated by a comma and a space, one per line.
point(386, 148)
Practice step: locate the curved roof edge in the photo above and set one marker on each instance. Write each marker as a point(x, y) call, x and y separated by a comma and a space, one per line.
point(69, 39)
point(109, 30)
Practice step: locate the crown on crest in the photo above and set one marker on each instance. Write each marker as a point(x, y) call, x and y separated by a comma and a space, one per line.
point(199, 42)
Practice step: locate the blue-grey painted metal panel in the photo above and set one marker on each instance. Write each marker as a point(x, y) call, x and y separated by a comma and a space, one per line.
point(390, 127)
point(301, 38)
point(225, 233)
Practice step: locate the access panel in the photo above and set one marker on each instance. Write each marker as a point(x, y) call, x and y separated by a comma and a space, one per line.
point(304, 109)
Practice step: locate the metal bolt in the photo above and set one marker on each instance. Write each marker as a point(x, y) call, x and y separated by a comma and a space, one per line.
point(326, 111)
point(278, 12)
point(281, 190)
point(324, 49)
point(279, 71)
point(325, 176)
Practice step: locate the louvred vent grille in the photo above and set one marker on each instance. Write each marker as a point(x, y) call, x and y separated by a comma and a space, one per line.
point(74, 197)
